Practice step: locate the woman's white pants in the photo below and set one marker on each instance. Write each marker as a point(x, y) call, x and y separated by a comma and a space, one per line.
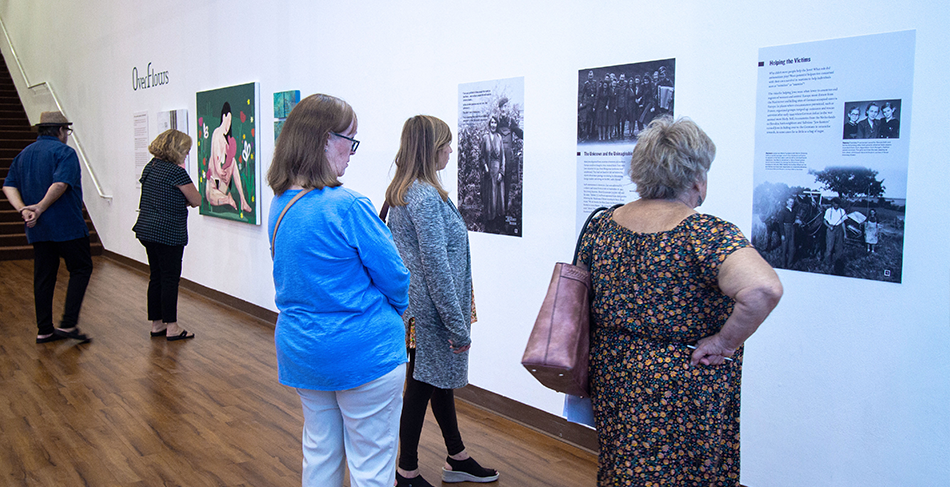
point(360, 425)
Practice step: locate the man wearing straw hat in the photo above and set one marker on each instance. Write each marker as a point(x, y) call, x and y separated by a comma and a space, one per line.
point(45, 185)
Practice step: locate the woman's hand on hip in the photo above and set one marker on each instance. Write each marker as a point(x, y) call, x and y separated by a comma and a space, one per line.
point(711, 351)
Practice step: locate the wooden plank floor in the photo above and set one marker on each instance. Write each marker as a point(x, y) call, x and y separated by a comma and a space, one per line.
point(129, 410)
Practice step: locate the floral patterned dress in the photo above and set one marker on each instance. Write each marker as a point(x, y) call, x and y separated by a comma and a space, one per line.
point(659, 421)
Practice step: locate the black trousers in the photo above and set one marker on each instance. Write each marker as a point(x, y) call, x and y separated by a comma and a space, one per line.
point(46, 257)
point(164, 265)
point(417, 396)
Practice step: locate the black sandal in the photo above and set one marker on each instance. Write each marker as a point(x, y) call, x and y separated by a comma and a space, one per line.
point(467, 470)
point(181, 336)
point(416, 481)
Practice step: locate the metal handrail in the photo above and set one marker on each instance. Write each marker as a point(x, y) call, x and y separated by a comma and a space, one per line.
point(82, 153)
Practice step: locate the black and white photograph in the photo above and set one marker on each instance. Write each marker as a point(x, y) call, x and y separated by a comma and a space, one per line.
point(615, 103)
point(844, 224)
point(872, 120)
point(491, 156)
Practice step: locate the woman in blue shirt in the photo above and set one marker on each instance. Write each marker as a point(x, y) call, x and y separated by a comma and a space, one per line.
point(341, 288)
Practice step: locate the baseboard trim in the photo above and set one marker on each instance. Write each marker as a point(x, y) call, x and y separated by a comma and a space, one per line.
point(536, 419)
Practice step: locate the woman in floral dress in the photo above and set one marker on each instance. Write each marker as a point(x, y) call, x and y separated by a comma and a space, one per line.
point(676, 293)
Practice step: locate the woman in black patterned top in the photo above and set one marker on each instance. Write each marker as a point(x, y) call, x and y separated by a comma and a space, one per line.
point(162, 227)
point(667, 279)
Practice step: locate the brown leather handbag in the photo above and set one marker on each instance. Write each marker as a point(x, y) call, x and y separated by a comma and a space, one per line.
point(558, 349)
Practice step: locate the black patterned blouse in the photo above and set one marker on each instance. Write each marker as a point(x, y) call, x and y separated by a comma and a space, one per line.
point(163, 209)
point(659, 421)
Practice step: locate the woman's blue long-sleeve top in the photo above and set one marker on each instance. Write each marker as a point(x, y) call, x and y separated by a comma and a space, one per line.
point(341, 287)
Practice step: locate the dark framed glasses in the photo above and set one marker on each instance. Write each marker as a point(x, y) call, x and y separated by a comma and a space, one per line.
point(355, 142)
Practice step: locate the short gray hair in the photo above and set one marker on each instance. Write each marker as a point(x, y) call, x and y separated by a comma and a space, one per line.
point(669, 157)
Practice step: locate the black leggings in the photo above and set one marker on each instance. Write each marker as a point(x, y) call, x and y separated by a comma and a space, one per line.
point(414, 415)
point(164, 264)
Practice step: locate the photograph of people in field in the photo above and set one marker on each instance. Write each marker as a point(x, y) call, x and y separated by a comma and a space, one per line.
point(845, 225)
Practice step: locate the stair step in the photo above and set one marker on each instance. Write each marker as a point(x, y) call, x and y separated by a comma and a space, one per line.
point(12, 222)
point(19, 239)
point(25, 252)
point(6, 206)
point(10, 216)
point(16, 252)
point(13, 240)
point(15, 144)
point(23, 133)
point(11, 227)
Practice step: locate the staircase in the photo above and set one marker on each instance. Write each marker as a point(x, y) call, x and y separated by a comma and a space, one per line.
point(16, 134)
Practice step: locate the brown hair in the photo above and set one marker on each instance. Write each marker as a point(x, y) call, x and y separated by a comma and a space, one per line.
point(669, 157)
point(418, 157)
point(171, 146)
point(300, 158)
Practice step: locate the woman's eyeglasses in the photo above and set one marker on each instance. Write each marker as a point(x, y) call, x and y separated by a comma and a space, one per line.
point(355, 142)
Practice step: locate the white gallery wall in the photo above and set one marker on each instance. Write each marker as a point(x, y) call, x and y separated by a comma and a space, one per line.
point(847, 383)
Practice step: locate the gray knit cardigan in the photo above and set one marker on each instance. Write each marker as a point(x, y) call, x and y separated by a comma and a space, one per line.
point(433, 242)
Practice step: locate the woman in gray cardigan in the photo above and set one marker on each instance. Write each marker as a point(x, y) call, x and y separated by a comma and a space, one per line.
point(433, 242)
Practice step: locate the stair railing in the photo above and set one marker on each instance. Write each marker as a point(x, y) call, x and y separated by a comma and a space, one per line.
point(49, 88)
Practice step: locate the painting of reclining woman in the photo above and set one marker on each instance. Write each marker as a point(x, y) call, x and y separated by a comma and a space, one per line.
point(227, 153)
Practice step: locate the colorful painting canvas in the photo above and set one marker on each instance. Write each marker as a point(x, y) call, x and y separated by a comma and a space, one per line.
point(284, 102)
point(228, 165)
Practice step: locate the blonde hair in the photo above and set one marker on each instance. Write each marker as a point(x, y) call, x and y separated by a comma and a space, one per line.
point(423, 136)
point(669, 157)
point(299, 157)
point(171, 146)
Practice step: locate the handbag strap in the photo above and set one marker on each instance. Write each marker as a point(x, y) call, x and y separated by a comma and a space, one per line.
point(273, 237)
point(384, 211)
point(577, 246)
